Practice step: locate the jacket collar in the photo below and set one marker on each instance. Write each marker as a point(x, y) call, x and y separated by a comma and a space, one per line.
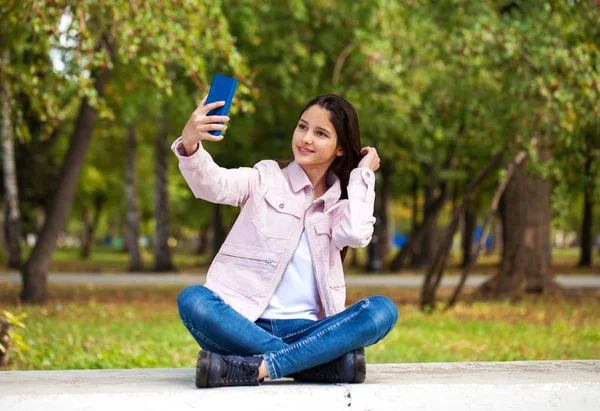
point(299, 180)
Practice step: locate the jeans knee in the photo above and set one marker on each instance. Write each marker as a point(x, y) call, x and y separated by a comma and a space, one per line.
point(384, 313)
point(191, 302)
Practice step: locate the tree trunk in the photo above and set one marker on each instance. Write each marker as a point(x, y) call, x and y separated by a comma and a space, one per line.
point(380, 244)
point(132, 223)
point(436, 268)
point(502, 217)
point(86, 235)
point(586, 231)
point(527, 255)
point(430, 213)
point(89, 227)
point(585, 259)
point(354, 258)
point(2, 230)
point(13, 215)
point(162, 252)
point(496, 236)
point(415, 203)
point(218, 230)
point(384, 213)
point(510, 169)
point(35, 271)
point(470, 220)
point(427, 245)
point(203, 239)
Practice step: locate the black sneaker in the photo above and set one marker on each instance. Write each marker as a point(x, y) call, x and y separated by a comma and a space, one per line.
point(214, 370)
point(349, 368)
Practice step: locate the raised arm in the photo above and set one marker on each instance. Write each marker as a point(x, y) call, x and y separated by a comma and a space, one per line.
point(204, 177)
point(355, 224)
point(356, 221)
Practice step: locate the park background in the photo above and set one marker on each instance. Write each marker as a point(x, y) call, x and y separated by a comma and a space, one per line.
point(485, 115)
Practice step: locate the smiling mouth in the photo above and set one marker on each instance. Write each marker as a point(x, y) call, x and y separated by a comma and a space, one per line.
point(304, 150)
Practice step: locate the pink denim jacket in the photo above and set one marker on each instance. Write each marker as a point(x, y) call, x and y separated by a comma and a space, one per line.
point(276, 206)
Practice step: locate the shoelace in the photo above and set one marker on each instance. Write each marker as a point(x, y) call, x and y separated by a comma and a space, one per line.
point(238, 370)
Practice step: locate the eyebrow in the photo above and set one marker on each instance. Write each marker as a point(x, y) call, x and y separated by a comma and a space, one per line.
point(318, 128)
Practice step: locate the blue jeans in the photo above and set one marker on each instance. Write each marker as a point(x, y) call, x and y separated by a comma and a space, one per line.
point(287, 346)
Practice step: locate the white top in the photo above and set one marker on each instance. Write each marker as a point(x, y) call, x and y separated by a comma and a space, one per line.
point(296, 295)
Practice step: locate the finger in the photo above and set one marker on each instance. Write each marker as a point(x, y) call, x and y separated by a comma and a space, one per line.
point(216, 119)
point(210, 137)
point(208, 107)
point(203, 101)
point(201, 119)
point(212, 126)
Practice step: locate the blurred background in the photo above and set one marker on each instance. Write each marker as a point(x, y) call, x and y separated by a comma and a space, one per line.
point(486, 116)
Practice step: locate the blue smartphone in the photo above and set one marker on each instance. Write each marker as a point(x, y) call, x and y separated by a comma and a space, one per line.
point(222, 88)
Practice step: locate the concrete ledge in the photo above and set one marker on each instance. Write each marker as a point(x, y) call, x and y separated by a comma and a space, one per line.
point(523, 385)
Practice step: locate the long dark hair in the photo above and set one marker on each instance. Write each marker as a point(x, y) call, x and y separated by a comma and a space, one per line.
point(345, 121)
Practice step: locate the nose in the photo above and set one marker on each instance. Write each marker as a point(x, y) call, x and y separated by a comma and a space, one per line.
point(307, 139)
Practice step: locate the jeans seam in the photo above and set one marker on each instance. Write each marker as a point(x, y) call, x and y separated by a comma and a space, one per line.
point(274, 327)
point(273, 356)
point(313, 324)
point(205, 338)
point(298, 332)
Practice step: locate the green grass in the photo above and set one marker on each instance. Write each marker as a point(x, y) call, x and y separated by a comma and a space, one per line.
point(452, 337)
point(103, 327)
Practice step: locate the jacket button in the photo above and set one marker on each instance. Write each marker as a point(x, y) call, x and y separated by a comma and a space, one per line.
point(281, 205)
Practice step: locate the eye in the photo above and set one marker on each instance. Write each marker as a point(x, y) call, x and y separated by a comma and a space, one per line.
point(321, 134)
point(301, 126)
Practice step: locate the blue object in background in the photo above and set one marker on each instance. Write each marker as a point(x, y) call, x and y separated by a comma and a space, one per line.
point(489, 241)
point(400, 240)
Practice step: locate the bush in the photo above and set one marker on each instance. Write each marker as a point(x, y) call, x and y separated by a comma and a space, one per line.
point(10, 338)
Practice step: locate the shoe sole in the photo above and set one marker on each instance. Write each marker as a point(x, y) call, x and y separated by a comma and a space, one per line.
point(360, 362)
point(202, 367)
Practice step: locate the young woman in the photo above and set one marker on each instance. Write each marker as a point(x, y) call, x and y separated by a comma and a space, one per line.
point(273, 302)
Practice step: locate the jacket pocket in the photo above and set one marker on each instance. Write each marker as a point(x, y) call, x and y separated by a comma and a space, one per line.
point(248, 272)
point(275, 215)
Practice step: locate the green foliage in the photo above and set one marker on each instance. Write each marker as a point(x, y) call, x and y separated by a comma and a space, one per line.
point(18, 346)
point(429, 80)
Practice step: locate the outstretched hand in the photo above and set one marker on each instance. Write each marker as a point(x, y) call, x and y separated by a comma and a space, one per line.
point(370, 158)
point(199, 124)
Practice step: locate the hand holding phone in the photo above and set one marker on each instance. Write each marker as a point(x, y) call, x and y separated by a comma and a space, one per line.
point(207, 121)
point(221, 89)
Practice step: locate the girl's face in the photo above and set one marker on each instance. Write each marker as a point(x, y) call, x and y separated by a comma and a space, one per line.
point(315, 140)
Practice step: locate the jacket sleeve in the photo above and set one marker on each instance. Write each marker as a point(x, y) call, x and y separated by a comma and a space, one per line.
point(213, 183)
point(354, 228)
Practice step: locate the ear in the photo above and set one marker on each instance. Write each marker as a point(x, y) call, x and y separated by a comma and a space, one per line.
point(340, 152)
